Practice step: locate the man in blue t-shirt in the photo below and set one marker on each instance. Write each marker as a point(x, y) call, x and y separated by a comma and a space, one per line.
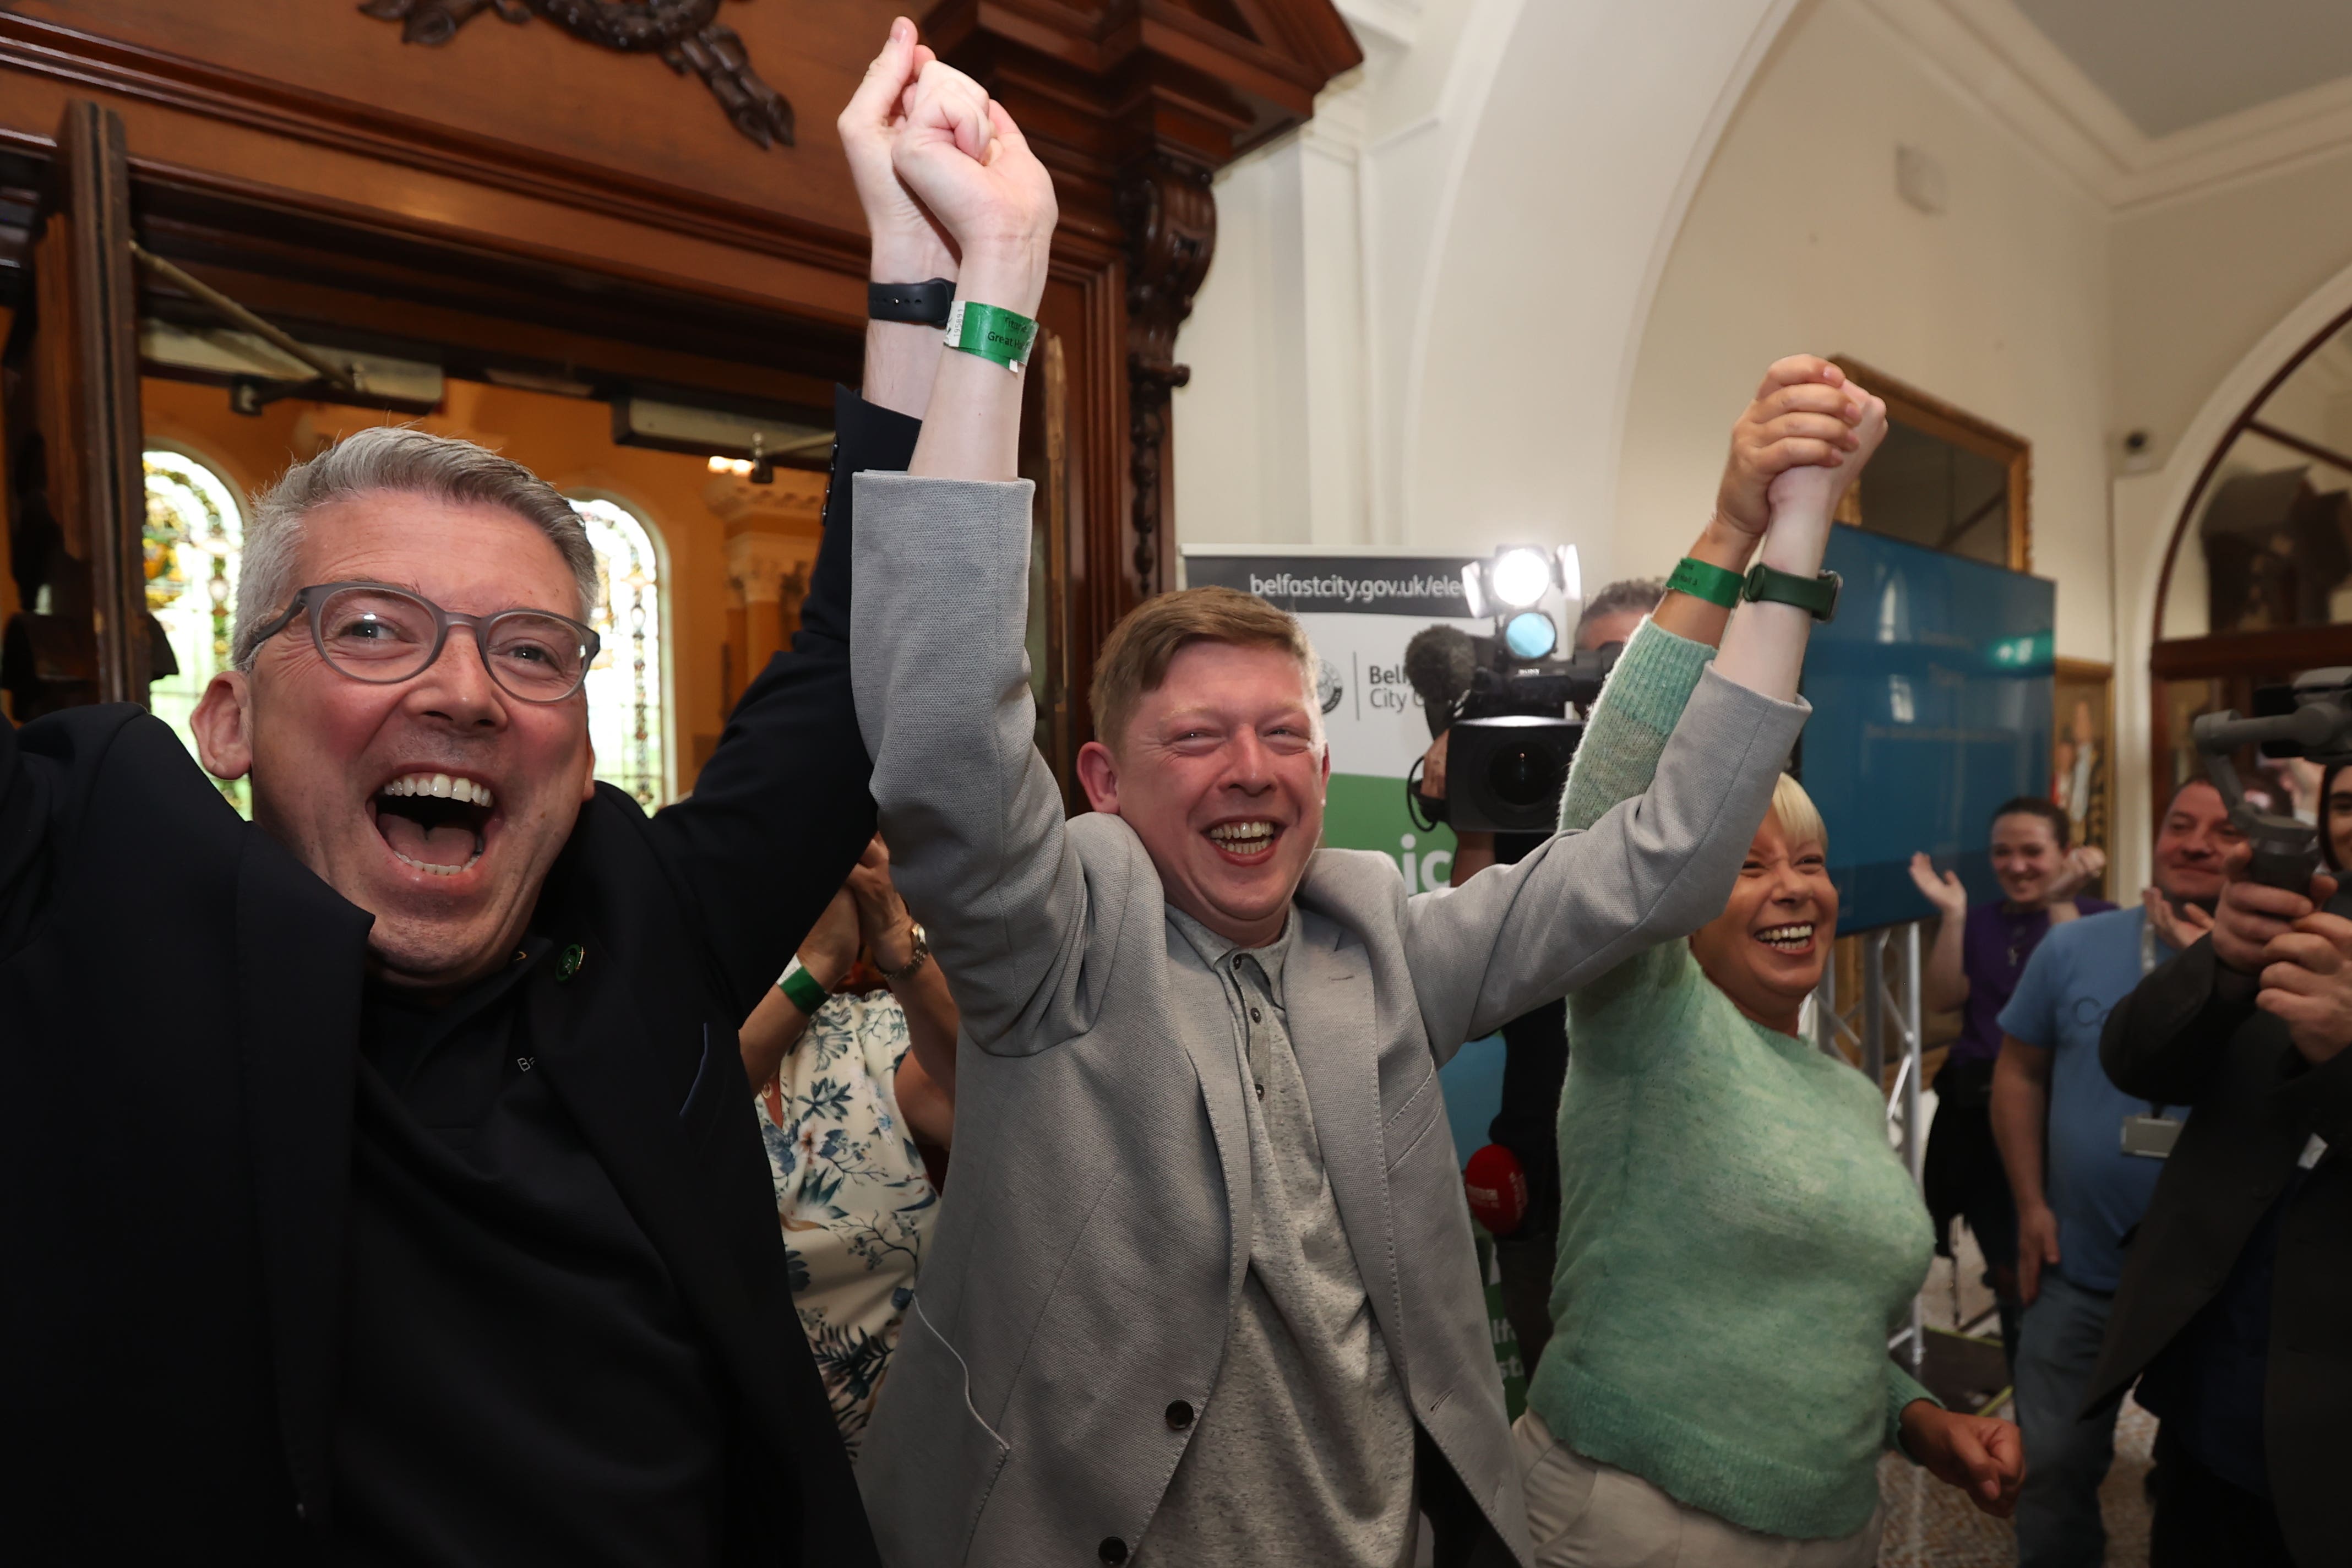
point(2075, 1208)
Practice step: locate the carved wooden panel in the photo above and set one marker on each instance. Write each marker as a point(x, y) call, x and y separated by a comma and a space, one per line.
point(686, 36)
point(530, 187)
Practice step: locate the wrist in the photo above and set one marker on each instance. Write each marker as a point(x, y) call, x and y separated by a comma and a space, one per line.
point(826, 968)
point(908, 259)
point(1795, 543)
point(1010, 277)
point(895, 946)
point(1724, 543)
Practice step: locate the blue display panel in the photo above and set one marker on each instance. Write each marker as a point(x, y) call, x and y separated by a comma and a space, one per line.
point(1931, 695)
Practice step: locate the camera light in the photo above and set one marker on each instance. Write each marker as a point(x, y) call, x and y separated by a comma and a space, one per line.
point(1520, 576)
point(1530, 635)
point(1474, 589)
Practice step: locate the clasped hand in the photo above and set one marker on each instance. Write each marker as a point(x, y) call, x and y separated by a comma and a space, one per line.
point(867, 913)
point(948, 183)
point(2301, 953)
point(1794, 453)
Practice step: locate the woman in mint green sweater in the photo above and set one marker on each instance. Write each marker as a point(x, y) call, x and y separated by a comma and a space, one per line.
point(1736, 1236)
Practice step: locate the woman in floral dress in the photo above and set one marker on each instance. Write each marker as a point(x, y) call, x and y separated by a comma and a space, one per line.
point(850, 1095)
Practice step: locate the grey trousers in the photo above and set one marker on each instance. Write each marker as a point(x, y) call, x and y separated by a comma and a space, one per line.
point(2058, 1521)
point(1584, 1515)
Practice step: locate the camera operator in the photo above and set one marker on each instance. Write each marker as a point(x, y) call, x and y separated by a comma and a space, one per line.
point(2231, 1310)
point(1535, 1044)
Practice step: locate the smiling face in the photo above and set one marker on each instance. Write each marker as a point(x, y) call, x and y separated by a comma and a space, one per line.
point(2196, 846)
point(2026, 858)
point(438, 803)
point(1221, 773)
point(1767, 949)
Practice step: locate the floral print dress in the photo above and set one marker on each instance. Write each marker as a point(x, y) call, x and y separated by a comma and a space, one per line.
point(851, 1192)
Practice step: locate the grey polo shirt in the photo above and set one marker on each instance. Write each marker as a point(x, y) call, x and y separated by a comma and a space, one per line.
point(1303, 1457)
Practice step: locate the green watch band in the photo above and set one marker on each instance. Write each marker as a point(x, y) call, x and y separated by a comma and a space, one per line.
point(1817, 597)
point(997, 335)
point(802, 990)
point(1704, 580)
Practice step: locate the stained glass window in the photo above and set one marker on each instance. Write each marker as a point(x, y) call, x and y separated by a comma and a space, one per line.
point(627, 718)
point(195, 531)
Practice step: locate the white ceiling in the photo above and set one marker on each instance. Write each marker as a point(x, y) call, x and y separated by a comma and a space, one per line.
point(2144, 101)
point(2172, 64)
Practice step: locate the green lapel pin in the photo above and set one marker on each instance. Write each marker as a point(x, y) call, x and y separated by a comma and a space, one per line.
point(569, 964)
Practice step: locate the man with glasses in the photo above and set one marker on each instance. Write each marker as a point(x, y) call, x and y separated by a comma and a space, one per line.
point(379, 1181)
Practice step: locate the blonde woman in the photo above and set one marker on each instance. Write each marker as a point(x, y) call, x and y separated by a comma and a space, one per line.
point(1735, 1235)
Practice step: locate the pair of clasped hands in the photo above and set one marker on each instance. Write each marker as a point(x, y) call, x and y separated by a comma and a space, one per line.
point(950, 186)
point(2301, 953)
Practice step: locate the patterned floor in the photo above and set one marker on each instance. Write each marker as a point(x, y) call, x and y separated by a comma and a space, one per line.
point(1929, 1525)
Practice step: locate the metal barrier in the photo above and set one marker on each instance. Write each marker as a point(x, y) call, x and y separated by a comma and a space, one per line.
point(1878, 1004)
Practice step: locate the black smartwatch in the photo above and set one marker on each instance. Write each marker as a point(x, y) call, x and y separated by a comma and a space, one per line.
point(924, 304)
point(1817, 597)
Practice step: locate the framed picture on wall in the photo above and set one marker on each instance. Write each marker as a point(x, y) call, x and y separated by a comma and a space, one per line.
point(2081, 751)
point(1945, 479)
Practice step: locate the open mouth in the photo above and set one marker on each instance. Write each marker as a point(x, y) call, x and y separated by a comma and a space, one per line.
point(435, 822)
point(1790, 939)
point(1245, 841)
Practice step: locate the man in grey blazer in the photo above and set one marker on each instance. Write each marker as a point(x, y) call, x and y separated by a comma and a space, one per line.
point(1202, 1288)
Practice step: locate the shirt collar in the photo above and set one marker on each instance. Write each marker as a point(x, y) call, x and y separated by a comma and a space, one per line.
point(1216, 950)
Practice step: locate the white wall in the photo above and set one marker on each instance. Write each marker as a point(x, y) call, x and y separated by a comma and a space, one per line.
point(1425, 308)
point(1798, 242)
point(1523, 269)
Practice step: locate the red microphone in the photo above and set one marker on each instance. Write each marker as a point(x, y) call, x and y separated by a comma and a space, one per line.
point(1497, 1189)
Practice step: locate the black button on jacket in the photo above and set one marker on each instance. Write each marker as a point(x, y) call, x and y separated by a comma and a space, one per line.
point(180, 1005)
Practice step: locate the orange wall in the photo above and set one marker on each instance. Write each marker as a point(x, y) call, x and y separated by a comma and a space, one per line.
point(568, 442)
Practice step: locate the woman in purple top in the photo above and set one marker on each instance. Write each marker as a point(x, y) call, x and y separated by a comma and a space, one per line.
point(1979, 955)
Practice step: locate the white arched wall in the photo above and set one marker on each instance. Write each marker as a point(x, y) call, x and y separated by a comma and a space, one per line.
point(1554, 231)
point(2145, 507)
point(1425, 307)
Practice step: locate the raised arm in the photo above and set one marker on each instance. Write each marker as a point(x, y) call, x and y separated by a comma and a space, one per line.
point(782, 810)
point(1655, 828)
point(974, 816)
point(902, 358)
point(1945, 985)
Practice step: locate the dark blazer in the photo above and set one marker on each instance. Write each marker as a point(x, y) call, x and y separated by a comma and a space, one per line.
point(178, 1012)
point(2191, 1034)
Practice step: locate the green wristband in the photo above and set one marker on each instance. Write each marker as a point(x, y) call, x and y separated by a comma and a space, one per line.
point(802, 990)
point(996, 334)
point(1704, 580)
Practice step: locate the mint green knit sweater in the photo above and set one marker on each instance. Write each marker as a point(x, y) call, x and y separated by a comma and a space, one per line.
point(1735, 1235)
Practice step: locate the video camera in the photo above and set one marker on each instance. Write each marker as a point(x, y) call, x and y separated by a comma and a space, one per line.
point(2310, 719)
point(1507, 699)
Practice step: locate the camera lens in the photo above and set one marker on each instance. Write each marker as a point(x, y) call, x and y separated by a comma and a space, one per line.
point(1522, 775)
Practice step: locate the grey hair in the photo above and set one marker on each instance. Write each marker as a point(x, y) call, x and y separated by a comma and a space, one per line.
point(1641, 594)
point(406, 461)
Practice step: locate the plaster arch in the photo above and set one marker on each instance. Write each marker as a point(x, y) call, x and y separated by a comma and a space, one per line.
point(2147, 512)
point(1527, 321)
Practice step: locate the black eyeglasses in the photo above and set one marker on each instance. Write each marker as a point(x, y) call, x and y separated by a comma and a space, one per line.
point(383, 636)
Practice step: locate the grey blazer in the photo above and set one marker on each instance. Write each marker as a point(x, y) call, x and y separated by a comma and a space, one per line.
point(1087, 1255)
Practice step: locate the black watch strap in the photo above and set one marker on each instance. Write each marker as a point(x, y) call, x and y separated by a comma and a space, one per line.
point(1817, 597)
point(925, 303)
